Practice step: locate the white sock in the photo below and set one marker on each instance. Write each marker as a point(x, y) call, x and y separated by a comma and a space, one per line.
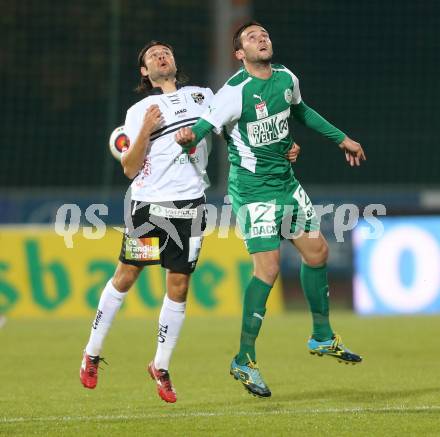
point(171, 319)
point(109, 304)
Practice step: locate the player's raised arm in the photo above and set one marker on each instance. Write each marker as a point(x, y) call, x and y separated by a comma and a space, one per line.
point(133, 158)
point(225, 108)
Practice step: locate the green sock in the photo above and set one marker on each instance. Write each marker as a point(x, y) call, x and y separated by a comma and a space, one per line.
point(254, 309)
point(315, 286)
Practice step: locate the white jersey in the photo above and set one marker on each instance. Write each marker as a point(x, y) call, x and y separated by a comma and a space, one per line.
point(168, 173)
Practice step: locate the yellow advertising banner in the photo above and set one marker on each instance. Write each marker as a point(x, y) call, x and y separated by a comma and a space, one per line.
point(41, 277)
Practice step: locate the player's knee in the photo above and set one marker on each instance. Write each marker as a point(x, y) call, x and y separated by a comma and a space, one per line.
point(178, 287)
point(178, 294)
point(267, 273)
point(124, 278)
point(319, 256)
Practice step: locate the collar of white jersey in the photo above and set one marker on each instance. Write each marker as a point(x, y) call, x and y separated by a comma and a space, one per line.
point(157, 90)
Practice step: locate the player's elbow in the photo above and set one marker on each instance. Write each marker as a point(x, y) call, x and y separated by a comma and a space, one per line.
point(128, 167)
point(129, 172)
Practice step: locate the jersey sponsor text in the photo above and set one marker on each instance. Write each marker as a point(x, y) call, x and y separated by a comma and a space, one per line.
point(269, 130)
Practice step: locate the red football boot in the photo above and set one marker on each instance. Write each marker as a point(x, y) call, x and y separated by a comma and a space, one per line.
point(164, 384)
point(88, 373)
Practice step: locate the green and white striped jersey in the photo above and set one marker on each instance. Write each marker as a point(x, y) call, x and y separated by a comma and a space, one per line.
point(253, 115)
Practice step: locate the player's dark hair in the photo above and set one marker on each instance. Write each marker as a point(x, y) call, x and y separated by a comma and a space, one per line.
point(236, 39)
point(145, 85)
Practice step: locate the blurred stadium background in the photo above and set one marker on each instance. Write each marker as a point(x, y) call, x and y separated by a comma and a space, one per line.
point(68, 70)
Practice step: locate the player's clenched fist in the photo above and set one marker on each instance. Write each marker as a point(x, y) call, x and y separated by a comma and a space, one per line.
point(152, 118)
point(185, 136)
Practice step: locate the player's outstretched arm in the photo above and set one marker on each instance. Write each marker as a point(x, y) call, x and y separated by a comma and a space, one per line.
point(354, 153)
point(190, 137)
point(310, 118)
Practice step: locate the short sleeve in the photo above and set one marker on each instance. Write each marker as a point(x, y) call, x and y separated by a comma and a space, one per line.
point(225, 107)
point(296, 98)
point(132, 125)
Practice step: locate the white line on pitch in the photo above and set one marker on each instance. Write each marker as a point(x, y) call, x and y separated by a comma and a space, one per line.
point(398, 409)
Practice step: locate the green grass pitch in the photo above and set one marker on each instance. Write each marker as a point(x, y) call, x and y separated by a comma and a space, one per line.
point(394, 392)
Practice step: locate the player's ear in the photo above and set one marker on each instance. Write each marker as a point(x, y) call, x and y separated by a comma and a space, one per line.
point(144, 71)
point(239, 54)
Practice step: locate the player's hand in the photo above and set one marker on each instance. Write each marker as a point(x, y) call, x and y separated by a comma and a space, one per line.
point(185, 136)
point(152, 118)
point(354, 153)
point(293, 153)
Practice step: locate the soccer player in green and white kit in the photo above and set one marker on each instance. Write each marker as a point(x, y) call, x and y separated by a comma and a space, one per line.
point(252, 109)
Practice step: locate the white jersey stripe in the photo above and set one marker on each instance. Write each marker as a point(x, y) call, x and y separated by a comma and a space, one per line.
point(248, 159)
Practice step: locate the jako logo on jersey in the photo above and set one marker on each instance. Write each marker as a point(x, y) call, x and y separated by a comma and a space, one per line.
point(161, 335)
point(198, 98)
point(269, 130)
point(181, 111)
point(97, 319)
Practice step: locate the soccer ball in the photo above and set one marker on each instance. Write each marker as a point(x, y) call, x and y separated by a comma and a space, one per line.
point(118, 142)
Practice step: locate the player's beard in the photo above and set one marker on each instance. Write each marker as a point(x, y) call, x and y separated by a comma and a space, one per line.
point(163, 75)
point(262, 59)
point(265, 60)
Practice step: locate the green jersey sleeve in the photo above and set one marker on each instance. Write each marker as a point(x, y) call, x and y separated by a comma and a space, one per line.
point(310, 118)
point(295, 96)
point(200, 130)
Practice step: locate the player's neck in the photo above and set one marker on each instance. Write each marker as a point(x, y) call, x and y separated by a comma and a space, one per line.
point(262, 70)
point(168, 84)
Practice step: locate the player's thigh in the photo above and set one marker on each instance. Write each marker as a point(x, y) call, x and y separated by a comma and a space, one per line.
point(313, 247)
point(181, 251)
point(259, 223)
point(142, 241)
point(299, 214)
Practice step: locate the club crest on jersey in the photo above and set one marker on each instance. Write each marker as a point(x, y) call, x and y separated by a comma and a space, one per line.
point(198, 98)
point(288, 95)
point(261, 110)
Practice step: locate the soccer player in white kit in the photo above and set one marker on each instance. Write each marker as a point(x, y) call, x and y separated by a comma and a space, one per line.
point(166, 218)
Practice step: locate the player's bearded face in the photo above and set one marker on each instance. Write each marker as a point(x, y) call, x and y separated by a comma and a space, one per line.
point(257, 46)
point(160, 63)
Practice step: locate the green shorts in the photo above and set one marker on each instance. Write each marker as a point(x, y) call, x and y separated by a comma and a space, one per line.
point(268, 214)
